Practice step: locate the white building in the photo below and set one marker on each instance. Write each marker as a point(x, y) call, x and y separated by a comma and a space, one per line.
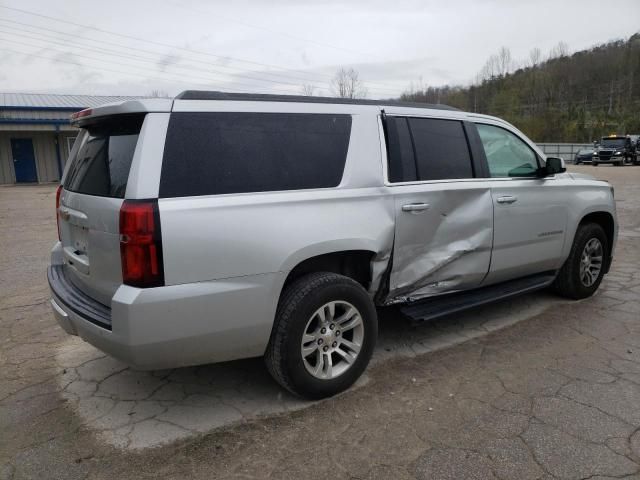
point(35, 134)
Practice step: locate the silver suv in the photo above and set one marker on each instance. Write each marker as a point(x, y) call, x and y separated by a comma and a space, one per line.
point(221, 226)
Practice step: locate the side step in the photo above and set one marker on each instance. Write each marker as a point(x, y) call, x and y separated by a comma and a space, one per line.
point(435, 307)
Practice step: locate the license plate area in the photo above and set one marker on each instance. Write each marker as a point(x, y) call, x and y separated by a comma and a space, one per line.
point(79, 239)
point(75, 240)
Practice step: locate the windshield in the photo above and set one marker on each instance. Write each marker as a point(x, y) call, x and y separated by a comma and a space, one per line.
point(102, 161)
point(612, 142)
point(585, 151)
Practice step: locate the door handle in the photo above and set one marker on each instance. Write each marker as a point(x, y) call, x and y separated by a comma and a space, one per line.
point(507, 199)
point(415, 207)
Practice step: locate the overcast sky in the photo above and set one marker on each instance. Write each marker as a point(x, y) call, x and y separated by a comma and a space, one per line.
point(134, 47)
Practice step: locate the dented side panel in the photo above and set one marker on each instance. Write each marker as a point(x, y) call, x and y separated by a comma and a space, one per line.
point(445, 247)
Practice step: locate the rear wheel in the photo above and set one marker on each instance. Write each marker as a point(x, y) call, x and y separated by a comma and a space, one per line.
point(323, 337)
point(581, 274)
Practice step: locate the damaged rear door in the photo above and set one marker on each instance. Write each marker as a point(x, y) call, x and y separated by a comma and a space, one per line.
point(444, 213)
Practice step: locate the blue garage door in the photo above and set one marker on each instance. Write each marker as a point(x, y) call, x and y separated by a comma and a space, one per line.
point(24, 161)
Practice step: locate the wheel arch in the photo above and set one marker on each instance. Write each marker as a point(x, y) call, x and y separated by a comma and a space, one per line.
point(606, 221)
point(353, 263)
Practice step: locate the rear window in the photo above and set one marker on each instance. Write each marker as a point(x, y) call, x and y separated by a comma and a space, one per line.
point(220, 153)
point(102, 162)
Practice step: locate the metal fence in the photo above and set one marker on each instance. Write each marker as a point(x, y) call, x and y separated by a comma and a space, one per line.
point(566, 151)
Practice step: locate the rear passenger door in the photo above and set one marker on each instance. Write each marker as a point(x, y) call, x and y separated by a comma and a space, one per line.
point(444, 217)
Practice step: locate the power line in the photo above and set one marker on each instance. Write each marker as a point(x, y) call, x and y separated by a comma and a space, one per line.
point(165, 45)
point(138, 39)
point(105, 42)
point(288, 35)
point(266, 29)
point(145, 51)
point(58, 60)
point(137, 58)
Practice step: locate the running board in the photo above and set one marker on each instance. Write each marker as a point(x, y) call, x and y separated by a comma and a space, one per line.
point(435, 307)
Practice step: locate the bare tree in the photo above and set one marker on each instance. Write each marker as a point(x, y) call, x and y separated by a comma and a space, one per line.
point(157, 94)
point(347, 84)
point(308, 90)
point(559, 51)
point(534, 57)
point(504, 61)
point(490, 69)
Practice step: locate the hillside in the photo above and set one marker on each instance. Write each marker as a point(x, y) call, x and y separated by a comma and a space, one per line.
point(566, 98)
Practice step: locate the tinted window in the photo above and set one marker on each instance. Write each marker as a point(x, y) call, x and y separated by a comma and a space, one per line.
point(103, 160)
point(217, 153)
point(507, 155)
point(441, 149)
point(402, 164)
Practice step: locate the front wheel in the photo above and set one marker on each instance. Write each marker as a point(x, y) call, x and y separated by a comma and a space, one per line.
point(581, 274)
point(323, 337)
point(595, 164)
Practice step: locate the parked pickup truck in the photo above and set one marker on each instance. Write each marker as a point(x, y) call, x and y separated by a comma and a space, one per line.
point(218, 226)
point(615, 149)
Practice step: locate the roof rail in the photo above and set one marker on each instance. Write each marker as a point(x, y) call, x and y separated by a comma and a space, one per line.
point(260, 97)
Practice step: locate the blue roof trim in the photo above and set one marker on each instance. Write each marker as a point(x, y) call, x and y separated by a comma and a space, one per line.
point(29, 121)
point(61, 109)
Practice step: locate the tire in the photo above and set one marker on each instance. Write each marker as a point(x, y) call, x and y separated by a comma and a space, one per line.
point(299, 312)
point(594, 164)
point(617, 164)
point(570, 280)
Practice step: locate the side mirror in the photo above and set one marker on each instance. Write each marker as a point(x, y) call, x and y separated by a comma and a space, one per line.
point(554, 165)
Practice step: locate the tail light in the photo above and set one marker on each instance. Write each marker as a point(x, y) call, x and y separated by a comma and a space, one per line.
point(58, 193)
point(141, 244)
point(82, 113)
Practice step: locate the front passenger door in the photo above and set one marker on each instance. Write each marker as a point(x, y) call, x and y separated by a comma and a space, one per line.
point(530, 213)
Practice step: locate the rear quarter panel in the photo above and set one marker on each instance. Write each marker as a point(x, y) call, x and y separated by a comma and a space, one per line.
point(210, 238)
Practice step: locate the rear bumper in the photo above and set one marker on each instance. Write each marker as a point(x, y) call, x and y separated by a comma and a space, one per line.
point(178, 325)
point(73, 299)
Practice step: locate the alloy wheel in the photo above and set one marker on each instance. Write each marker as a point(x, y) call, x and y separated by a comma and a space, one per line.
point(591, 262)
point(332, 340)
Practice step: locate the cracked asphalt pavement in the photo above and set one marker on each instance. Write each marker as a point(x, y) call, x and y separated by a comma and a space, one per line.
point(532, 388)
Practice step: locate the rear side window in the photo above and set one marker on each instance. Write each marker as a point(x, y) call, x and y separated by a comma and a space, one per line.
point(218, 153)
point(402, 163)
point(427, 149)
point(441, 149)
point(102, 162)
